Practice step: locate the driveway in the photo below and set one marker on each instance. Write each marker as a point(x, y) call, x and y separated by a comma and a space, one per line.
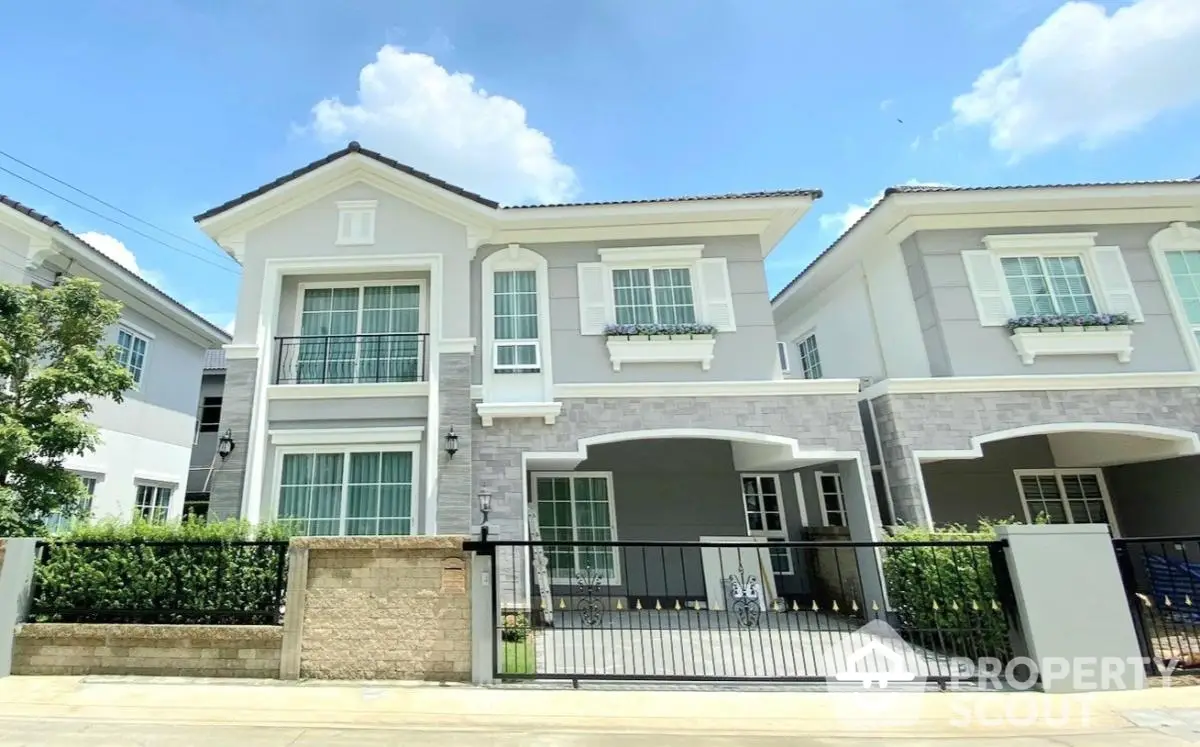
point(702, 643)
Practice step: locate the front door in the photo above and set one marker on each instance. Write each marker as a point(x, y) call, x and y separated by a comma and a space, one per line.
point(766, 519)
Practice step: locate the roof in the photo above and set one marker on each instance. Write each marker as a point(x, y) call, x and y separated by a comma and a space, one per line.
point(920, 188)
point(355, 147)
point(52, 223)
point(214, 360)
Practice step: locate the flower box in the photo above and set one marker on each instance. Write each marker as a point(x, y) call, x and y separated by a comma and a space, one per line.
point(1030, 342)
point(681, 343)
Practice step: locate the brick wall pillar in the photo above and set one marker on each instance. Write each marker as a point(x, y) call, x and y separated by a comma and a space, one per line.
point(379, 608)
point(225, 487)
point(454, 495)
point(900, 466)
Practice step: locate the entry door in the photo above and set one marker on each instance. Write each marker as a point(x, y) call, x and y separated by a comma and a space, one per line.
point(765, 518)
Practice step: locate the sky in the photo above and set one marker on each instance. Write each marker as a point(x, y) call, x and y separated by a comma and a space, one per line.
point(163, 109)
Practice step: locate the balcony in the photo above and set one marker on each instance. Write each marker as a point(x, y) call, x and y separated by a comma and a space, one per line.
point(383, 358)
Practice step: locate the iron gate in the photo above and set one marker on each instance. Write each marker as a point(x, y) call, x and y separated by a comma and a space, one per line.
point(1162, 584)
point(745, 610)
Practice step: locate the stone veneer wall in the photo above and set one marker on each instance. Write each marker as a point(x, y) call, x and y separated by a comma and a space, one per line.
point(225, 489)
point(382, 608)
point(950, 420)
point(455, 497)
point(158, 650)
point(823, 422)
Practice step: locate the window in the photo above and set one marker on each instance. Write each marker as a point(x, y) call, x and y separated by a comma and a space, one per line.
point(516, 321)
point(764, 517)
point(356, 222)
point(210, 414)
point(1064, 496)
point(1047, 285)
point(56, 522)
point(131, 353)
point(347, 493)
point(577, 507)
point(833, 501)
point(195, 506)
point(653, 296)
point(1185, 274)
point(782, 352)
point(359, 335)
point(152, 503)
point(810, 360)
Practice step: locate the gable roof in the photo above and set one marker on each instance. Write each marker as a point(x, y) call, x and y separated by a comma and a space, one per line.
point(58, 227)
point(355, 147)
point(902, 189)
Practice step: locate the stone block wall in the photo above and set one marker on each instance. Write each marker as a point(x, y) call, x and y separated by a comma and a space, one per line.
point(157, 650)
point(382, 608)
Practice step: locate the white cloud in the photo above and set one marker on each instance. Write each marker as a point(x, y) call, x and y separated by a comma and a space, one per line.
point(414, 110)
point(841, 221)
point(885, 105)
point(1085, 76)
point(112, 248)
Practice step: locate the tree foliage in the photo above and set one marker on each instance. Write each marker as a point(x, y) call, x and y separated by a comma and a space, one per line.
point(53, 365)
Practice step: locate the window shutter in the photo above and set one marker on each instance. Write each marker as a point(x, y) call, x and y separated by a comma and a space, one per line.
point(713, 284)
point(987, 286)
point(593, 298)
point(1115, 284)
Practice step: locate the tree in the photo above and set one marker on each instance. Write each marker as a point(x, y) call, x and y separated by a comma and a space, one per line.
point(52, 366)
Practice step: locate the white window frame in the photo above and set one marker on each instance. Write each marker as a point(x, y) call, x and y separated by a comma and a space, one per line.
point(503, 385)
point(1058, 474)
point(615, 579)
point(611, 270)
point(136, 334)
point(156, 487)
point(535, 342)
point(841, 499)
point(804, 365)
point(768, 534)
point(781, 352)
point(353, 213)
point(346, 450)
point(1178, 237)
point(1041, 255)
point(422, 319)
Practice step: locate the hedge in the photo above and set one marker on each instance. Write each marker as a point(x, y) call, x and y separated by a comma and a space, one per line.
point(945, 597)
point(198, 577)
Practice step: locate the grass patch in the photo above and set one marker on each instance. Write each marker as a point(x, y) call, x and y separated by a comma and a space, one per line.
point(518, 657)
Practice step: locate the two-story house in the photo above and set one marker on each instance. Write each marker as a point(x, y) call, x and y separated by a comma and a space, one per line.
point(403, 345)
point(141, 465)
point(1032, 351)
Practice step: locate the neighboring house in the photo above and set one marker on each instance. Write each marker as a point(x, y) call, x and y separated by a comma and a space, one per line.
point(204, 449)
point(386, 316)
point(968, 419)
point(141, 465)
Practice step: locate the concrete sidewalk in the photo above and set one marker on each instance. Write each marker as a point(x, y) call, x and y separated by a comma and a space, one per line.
point(275, 713)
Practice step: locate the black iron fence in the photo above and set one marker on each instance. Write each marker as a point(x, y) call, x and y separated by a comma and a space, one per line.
point(163, 582)
point(775, 611)
point(351, 359)
point(1162, 583)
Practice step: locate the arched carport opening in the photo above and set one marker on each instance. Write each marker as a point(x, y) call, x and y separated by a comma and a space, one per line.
point(1139, 479)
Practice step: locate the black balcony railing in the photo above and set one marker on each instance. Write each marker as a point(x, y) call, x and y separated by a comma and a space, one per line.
point(351, 359)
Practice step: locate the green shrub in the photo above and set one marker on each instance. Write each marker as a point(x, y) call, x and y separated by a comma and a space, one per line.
point(945, 597)
point(515, 627)
point(200, 577)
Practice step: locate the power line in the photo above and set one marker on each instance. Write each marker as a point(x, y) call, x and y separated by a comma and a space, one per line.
point(91, 196)
point(114, 221)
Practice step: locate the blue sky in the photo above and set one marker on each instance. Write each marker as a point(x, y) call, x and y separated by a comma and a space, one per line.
point(170, 107)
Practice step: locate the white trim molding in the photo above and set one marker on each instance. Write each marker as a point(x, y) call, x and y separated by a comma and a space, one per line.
point(1032, 342)
point(345, 436)
point(348, 391)
point(775, 388)
point(1178, 237)
point(1059, 383)
point(491, 411)
point(661, 349)
point(456, 345)
point(680, 253)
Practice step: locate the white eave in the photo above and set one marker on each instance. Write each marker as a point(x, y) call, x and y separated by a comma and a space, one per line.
point(769, 217)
